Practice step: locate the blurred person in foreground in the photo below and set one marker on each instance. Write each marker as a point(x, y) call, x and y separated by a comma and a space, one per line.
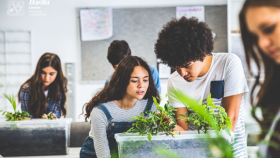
point(260, 30)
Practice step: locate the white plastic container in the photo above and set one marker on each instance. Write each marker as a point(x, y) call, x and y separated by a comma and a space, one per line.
point(189, 144)
point(35, 137)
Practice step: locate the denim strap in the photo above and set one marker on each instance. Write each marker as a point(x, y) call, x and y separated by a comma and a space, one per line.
point(148, 106)
point(106, 112)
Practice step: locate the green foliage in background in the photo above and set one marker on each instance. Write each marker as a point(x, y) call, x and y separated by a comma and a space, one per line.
point(221, 121)
point(17, 115)
point(155, 122)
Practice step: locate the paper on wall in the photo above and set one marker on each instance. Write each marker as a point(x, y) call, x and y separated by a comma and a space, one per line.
point(96, 24)
point(195, 11)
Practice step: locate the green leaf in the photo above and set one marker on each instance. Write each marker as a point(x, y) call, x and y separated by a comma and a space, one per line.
point(228, 131)
point(12, 100)
point(173, 133)
point(138, 126)
point(142, 115)
point(170, 106)
point(124, 132)
point(149, 137)
point(135, 130)
point(155, 101)
point(179, 132)
point(166, 107)
point(173, 118)
point(157, 116)
point(171, 113)
point(228, 122)
point(143, 120)
point(133, 118)
point(154, 120)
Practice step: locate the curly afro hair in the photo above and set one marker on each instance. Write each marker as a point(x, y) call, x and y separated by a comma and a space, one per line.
point(183, 41)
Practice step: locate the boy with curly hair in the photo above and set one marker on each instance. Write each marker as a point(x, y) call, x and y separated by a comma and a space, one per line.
point(187, 45)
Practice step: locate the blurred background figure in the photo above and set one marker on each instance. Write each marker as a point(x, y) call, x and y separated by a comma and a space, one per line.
point(45, 91)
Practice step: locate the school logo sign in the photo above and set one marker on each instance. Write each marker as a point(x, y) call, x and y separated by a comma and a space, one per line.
point(15, 8)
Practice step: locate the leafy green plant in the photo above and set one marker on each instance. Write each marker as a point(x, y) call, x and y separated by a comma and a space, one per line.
point(218, 147)
point(155, 122)
point(50, 116)
point(221, 121)
point(17, 115)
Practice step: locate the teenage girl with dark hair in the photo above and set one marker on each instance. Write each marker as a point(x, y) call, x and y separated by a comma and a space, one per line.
point(128, 93)
point(260, 28)
point(120, 49)
point(45, 91)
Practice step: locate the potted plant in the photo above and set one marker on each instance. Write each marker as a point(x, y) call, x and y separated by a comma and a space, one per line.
point(221, 120)
point(32, 137)
point(155, 122)
point(153, 135)
point(16, 115)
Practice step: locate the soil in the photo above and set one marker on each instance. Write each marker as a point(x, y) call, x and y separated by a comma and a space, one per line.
point(31, 142)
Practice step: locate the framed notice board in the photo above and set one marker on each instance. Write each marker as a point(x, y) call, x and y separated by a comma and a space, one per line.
point(140, 28)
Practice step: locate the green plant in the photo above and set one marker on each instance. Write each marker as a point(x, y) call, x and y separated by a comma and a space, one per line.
point(218, 147)
point(50, 116)
point(221, 121)
point(17, 115)
point(155, 122)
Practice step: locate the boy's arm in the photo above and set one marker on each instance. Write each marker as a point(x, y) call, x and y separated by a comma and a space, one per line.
point(181, 124)
point(232, 105)
point(235, 86)
point(181, 109)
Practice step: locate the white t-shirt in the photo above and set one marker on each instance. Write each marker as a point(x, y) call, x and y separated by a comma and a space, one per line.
point(46, 93)
point(224, 78)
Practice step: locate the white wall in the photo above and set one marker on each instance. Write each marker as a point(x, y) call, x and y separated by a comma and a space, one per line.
point(58, 32)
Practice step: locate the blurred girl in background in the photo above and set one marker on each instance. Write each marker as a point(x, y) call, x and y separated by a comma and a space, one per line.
point(45, 91)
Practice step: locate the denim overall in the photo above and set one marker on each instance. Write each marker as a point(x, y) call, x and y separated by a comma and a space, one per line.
point(88, 151)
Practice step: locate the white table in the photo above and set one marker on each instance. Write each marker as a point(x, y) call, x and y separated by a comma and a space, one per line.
point(73, 153)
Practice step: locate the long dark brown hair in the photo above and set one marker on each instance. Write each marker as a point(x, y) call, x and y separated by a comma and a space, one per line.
point(269, 93)
point(38, 99)
point(116, 89)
